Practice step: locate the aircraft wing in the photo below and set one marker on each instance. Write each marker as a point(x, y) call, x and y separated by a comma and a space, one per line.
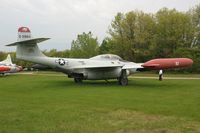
point(128, 65)
point(96, 66)
point(133, 66)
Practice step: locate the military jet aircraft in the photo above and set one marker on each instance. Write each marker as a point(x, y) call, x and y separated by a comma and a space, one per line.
point(7, 66)
point(101, 67)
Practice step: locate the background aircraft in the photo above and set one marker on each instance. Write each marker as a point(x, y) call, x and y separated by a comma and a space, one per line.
point(7, 66)
point(101, 67)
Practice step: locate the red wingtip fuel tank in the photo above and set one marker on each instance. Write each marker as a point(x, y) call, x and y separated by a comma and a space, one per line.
point(4, 69)
point(168, 63)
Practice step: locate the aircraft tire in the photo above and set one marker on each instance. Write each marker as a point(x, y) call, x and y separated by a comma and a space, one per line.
point(77, 80)
point(123, 81)
point(2, 74)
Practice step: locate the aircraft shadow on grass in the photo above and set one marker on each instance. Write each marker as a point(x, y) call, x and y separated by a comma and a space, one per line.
point(110, 84)
point(133, 84)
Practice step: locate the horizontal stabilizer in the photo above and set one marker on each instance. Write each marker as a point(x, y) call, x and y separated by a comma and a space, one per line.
point(30, 41)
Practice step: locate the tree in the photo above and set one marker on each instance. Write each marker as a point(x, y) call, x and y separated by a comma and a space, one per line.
point(174, 30)
point(195, 13)
point(106, 46)
point(84, 46)
point(2, 55)
point(132, 35)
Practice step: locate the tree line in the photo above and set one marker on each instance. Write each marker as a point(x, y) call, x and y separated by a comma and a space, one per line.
point(138, 36)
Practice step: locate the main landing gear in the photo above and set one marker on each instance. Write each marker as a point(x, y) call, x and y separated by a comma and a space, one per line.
point(78, 80)
point(2, 74)
point(123, 79)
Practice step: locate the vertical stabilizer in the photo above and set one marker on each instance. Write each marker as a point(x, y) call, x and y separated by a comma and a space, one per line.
point(27, 48)
point(24, 33)
point(7, 60)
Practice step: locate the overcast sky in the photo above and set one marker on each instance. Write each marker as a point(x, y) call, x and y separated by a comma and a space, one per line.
point(62, 20)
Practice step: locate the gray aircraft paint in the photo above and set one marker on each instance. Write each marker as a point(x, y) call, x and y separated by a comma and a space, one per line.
point(106, 66)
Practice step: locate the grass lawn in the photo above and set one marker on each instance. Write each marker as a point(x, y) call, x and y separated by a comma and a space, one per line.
point(54, 104)
point(167, 74)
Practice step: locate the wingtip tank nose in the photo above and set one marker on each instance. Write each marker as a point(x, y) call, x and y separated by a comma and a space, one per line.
point(190, 61)
point(167, 63)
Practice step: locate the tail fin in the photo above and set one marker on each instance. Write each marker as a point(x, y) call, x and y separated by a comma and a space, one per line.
point(7, 60)
point(27, 47)
point(24, 34)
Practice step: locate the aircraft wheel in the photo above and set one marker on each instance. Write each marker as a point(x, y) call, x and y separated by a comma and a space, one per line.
point(2, 74)
point(77, 80)
point(123, 81)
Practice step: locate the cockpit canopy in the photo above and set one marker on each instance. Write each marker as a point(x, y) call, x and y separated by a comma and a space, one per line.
point(106, 57)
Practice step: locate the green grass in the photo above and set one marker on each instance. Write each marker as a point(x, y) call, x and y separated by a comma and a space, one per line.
point(166, 74)
point(41, 103)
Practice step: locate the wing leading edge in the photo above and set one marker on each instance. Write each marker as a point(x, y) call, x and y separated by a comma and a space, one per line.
point(128, 65)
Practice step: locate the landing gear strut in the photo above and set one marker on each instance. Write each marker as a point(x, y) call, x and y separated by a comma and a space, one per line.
point(123, 80)
point(77, 80)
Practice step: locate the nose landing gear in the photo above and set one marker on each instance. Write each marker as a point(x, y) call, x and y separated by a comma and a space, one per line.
point(123, 79)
